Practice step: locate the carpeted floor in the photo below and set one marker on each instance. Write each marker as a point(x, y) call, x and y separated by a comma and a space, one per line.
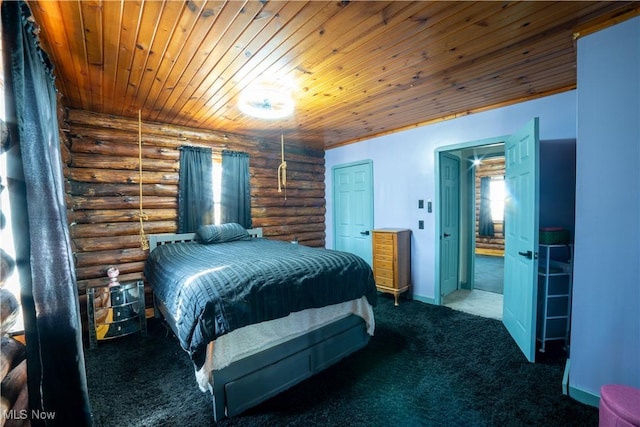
point(489, 273)
point(425, 366)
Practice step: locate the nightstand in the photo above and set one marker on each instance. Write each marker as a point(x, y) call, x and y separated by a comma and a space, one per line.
point(115, 311)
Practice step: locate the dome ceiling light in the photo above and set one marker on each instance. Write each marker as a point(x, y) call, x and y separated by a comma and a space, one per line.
point(267, 99)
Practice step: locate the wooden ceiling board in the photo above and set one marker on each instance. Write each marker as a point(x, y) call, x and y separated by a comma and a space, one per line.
point(361, 68)
point(218, 41)
point(156, 52)
point(187, 49)
point(305, 22)
point(226, 59)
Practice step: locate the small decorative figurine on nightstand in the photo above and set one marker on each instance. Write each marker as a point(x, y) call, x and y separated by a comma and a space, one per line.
point(113, 274)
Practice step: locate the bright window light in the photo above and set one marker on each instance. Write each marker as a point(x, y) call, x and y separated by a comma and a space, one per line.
point(217, 189)
point(497, 191)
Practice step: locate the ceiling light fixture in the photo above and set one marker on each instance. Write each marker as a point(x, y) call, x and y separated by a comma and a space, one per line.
point(267, 99)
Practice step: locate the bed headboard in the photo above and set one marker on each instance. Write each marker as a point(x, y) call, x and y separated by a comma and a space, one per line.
point(156, 240)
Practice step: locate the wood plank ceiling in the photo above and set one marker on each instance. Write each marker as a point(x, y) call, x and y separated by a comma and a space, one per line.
point(359, 68)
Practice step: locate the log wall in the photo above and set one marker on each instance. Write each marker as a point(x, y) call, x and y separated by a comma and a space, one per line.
point(490, 166)
point(101, 167)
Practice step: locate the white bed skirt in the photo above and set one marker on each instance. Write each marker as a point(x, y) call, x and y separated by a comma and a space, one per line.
point(252, 339)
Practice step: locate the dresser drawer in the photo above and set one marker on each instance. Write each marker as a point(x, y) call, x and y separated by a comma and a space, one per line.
point(384, 272)
point(382, 237)
point(384, 281)
point(124, 295)
point(386, 263)
point(383, 249)
point(127, 311)
point(117, 329)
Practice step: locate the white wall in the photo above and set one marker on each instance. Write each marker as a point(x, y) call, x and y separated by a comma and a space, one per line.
point(403, 169)
point(605, 338)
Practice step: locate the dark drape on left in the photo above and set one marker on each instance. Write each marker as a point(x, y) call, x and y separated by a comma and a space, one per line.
point(235, 199)
point(486, 220)
point(195, 189)
point(55, 359)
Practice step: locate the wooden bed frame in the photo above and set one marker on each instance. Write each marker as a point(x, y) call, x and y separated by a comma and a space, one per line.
point(253, 379)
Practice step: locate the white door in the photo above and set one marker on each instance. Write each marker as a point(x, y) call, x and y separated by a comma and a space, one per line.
point(353, 208)
point(450, 223)
point(521, 237)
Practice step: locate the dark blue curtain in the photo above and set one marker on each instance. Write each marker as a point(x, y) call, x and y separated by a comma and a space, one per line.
point(55, 359)
point(235, 199)
point(485, 220)
point(195, 189)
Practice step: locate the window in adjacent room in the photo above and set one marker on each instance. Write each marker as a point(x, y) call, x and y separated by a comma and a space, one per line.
point(497, 192)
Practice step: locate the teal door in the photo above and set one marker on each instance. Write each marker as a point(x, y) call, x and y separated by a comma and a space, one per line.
point(521, 237)
point(353, 208)
point(450, 223)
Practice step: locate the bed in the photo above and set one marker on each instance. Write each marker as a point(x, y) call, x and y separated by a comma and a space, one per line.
point(255, 315)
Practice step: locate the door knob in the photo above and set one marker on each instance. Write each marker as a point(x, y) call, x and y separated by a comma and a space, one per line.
point(527, 254)
point(365, 233)
point(447, 234)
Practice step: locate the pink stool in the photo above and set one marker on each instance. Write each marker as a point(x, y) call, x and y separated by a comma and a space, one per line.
point(619, 406)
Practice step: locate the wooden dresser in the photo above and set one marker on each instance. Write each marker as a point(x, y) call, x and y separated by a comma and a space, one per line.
point(392, 260)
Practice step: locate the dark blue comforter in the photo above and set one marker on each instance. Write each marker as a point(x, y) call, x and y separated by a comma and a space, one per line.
point(210, 290)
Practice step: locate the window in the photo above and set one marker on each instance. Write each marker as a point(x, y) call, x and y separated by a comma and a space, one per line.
point(217, 187)
point(12, 283)
point(497, 191)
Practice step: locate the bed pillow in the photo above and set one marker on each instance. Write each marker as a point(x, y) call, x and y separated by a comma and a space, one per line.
point(222, 233)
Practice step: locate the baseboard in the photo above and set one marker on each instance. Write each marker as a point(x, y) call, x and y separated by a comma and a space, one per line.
point(426, 300)
point(565, 378)
point(489, 252)
point(584, 397)
point(575, 393)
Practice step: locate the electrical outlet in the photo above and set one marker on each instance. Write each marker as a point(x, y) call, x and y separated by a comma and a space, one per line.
point(421, 224)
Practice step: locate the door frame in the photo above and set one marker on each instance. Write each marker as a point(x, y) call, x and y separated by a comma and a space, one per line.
point(438, 219)
point(369, 164)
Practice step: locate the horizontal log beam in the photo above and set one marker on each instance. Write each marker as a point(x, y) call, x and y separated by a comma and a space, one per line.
point(76, 188)
point(278, 221)
point(100, 271)
point(121, 215)
point(91, 244)
point(123, 162)
point(112, 257)
point(289, 201)
point(122, 176)
point(83, 145)
point(123, 202)
point(92, 283)
point(121, 228)
point(257, 213)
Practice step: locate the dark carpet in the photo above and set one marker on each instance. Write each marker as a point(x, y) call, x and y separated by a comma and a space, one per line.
point(426, 366)
point(489, 273)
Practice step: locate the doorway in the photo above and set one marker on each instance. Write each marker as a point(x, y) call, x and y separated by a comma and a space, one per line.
point(521, 218)
point(487, 169)
point(481, 243)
